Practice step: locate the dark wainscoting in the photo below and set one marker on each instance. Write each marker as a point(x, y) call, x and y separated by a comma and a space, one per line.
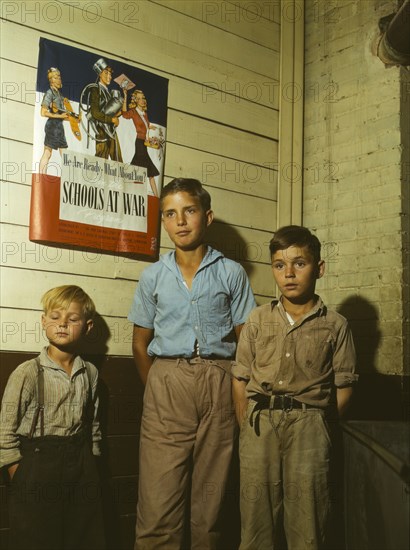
point(377, 397)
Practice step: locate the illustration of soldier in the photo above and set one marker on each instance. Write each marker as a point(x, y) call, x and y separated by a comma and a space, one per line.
point(103, 109)
point(137, 112)
point(57, 109)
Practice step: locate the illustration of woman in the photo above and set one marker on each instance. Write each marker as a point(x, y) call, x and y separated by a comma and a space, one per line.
point(52, 108)
point(137, 112)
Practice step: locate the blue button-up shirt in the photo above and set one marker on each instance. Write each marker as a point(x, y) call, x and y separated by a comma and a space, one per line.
point(201, 318)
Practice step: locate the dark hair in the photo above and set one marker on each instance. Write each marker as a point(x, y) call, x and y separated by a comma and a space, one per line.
point(192, 187)
point(295, 235)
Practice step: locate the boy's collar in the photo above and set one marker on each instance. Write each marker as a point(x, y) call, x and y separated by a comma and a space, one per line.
point(211, 256)
point(319, 306)
point(46, 361)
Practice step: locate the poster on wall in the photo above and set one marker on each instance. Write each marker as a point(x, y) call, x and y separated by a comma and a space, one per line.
point(98, 153)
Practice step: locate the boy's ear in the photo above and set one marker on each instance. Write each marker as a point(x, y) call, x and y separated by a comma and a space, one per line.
point(321, 269)
point(89, 325)
point(209, 217)
point(43, 320)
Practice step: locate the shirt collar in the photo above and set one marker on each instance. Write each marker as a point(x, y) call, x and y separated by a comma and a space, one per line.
point(318, 309)
point(210, 257)
point(46, 361)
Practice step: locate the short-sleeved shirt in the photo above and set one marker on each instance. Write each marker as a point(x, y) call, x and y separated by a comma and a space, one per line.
point(202, 317)
point(53, 97)
point(304, 360)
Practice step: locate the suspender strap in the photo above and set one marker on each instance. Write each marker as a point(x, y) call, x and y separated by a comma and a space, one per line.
point(40, 405)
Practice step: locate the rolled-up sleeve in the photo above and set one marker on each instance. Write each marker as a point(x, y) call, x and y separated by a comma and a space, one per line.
point(245, 355)
point(344, 358)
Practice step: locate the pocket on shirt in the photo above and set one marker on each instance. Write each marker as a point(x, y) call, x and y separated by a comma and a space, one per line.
point(314, 355)
point(265, 352)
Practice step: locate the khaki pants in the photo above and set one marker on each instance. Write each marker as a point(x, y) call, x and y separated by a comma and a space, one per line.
point(186, 445)
point(284, 468)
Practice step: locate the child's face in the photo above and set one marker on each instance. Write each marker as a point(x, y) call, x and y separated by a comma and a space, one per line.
point(295, 273)
point(184, 220)
point(65, 327)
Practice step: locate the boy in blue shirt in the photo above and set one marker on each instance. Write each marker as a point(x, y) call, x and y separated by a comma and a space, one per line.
point(295, 361)
point(188, 312)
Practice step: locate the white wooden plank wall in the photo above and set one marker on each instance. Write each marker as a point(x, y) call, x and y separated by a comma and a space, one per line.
point(222, 62)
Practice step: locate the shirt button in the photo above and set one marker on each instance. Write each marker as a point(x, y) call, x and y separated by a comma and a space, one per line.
point(193, 302)
point(287, 354)
point(280, 382)
point(196, 328)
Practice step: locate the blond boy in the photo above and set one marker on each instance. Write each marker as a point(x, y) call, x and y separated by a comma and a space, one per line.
point(50, 431)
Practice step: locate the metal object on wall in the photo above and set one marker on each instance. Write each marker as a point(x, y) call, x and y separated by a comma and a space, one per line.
point(377, 470)
point(393, 44)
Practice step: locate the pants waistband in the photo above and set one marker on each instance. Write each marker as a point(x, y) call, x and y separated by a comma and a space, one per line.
point(196, 358)
point(53, 441)
point(280, 402)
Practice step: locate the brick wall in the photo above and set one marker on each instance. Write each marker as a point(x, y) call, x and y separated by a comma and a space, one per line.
point(354, 190)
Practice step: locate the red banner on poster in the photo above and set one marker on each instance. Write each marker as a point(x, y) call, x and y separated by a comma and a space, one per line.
point(47, 227)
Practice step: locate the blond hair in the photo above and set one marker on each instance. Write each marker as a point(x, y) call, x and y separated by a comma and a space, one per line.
point(62, 296)
point(51, 71)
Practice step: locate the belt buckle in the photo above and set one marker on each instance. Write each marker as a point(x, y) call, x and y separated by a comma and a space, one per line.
point(287, 403)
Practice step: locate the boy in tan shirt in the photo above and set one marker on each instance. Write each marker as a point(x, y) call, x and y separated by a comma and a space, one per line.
point(295, 359)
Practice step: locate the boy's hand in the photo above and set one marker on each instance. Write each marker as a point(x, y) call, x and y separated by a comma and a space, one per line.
point(239, 398)
point(343, 397)
point(12, 469)
point(141, 339)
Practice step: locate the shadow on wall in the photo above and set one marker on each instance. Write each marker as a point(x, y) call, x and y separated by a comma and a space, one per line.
point(120, 405)
point(377, 396)
point(227, 240)
point(95, 350)
point(95, 347)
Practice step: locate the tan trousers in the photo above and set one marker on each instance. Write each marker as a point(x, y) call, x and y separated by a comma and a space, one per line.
point(185, 452)
point(284, 468)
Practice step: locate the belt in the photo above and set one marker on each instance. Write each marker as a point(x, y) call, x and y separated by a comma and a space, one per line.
point(281, 402)
point(284, 403)
point(190, 357)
